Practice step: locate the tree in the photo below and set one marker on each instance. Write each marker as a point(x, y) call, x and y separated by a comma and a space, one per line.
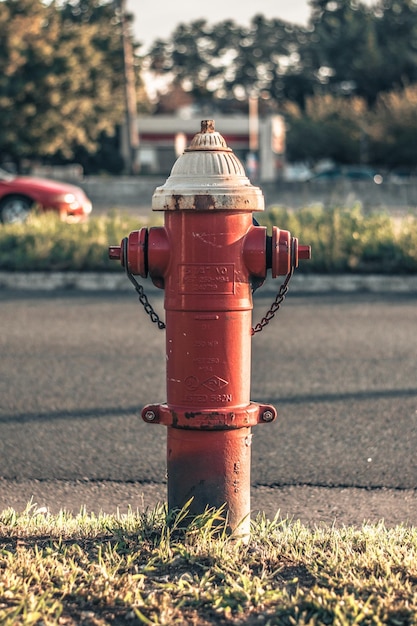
point(61, 84)
point(197, 57)
point(269, 60)
point(393, 128)
point(342, 46)
point(349, 48)
point(396, 29)
point(329, 78)
point(227, 61)
point(361, 49)
point(329, 128)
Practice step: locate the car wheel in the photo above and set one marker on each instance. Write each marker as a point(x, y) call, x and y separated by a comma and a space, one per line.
point(15, 209)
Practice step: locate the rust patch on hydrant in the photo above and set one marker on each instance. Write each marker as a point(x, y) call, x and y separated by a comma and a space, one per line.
point(178, 202)
point(204, 202)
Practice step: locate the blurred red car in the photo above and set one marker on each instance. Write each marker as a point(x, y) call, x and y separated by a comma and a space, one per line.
point(20, 194)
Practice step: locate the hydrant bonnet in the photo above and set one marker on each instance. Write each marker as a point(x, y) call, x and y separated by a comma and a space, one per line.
point(208, 176)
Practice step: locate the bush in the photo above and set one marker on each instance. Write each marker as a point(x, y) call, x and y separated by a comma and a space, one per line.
point(347, 240)
point(342, 240)
point(46, 243)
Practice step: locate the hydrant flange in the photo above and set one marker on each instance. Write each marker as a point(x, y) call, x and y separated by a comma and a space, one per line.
point(202, 419)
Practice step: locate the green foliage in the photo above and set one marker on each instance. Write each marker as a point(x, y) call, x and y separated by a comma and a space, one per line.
point(150, 568)
point(393, 127)
point(329, 127)
point(342, 240)
point(46, 243)
point(347, 130)
point(346, 83)
point(348, 240)
point(61, 77)
point(226, 60)
point(347, 48)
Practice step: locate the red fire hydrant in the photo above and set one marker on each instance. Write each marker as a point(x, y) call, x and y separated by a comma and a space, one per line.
point(208, 257)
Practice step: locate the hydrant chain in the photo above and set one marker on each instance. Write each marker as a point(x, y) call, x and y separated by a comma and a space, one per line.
point(279, 299)
point(143, 298)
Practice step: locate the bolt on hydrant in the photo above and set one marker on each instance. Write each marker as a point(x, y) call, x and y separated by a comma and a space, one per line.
point(209, 257)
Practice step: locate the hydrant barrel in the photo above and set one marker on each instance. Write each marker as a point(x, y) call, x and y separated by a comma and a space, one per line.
point(212, 468)
point(209, 257)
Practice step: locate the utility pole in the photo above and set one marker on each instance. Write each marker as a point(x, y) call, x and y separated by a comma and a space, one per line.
point(253, 157)
point(131, 132)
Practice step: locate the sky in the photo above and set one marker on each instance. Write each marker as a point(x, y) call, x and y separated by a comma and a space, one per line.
point(159, 18)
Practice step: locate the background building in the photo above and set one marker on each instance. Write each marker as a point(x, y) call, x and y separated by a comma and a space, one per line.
point(261, 148)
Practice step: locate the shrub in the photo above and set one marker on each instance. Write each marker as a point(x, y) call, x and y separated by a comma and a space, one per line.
point(348, 240)
point(342, 240)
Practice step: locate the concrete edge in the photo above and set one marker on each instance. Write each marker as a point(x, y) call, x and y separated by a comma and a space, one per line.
point(115, 281)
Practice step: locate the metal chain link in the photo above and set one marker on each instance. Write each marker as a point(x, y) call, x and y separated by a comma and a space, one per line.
point(280, 297)
point(143, 298)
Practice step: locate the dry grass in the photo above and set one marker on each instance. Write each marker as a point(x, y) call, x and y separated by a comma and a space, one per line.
point(148, 568)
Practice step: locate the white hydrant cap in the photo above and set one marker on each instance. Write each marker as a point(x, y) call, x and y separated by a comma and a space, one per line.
point(208, 176)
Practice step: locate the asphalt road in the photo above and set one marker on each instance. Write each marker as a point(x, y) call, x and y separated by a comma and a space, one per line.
point(76, 369)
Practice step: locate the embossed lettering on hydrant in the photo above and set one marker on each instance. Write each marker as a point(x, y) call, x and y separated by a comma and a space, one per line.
point(206, 278)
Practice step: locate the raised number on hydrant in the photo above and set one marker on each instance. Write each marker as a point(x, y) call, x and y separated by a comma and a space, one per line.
point(207, 257)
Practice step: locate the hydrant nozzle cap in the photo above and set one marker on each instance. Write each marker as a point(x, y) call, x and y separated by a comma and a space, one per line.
point(208, 176)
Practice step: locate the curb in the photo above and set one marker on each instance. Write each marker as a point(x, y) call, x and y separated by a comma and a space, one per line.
point(115, 281)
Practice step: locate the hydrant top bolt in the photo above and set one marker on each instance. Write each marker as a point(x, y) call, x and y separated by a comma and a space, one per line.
point(207, 126)
point(150, 416)
point(267, 416)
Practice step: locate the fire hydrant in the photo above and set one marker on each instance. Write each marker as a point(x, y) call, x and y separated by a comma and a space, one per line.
point(208, 257)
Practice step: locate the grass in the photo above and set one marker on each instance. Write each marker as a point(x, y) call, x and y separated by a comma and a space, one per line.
point(45, 243)
point(351, 240)
point(147, 568)
point(342, 240)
